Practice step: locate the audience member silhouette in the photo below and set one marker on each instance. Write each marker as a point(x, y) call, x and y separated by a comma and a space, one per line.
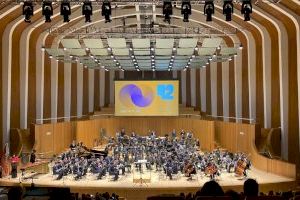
point(233, 194)
point(211, 188)
point(15, 193)
point(250, 188)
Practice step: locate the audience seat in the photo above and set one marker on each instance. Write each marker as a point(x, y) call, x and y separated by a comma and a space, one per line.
point(163, 197)
point(264, 198)
point(213, 198)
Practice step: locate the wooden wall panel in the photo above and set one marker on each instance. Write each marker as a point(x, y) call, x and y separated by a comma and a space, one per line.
point(293, 117)
point(107, 88)
point(219, 90)
point(44, 138)
point(97, 89)
point(15, 77)
point(47, 81)
point(85, 97)
point(4, 21)
point(188, 88)
point(60, 91)
point(231, 89)
point(245, 78)
point(208, 91)
point(180, 89)
point(74, 89)
point(198, 95)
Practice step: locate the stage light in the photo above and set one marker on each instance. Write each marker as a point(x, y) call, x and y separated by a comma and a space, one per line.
point(47, 11)
point(28, 11)
point(106, 11)
point(209, 10)
point(65, 11)
point(186, 10)
point(167, 11)
point(246, 9)
point(228, 9)
point(87, 11)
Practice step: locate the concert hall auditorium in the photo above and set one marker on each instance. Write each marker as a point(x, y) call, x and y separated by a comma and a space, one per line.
point(150, 100)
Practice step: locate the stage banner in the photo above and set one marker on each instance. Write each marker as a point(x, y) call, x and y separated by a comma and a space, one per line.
point(146, 98)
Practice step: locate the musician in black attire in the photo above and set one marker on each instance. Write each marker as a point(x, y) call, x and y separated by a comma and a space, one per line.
point(32, 156)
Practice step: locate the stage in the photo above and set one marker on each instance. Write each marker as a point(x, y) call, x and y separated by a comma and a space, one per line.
point(159, 184)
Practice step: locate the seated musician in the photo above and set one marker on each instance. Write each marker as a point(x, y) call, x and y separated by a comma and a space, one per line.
point(168, 168)
point(73, 145)
point(122, 133)
point(173, 134)
point(189, 169)
point(101, 170)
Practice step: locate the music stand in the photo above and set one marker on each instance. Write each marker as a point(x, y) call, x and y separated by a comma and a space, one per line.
point(140, 179)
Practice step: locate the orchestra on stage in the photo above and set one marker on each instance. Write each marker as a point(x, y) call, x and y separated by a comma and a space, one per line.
point(171, 155)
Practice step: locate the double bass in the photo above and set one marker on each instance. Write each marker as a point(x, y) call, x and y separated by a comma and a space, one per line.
point(211, 170)
point(241, 166)
point(189, 169)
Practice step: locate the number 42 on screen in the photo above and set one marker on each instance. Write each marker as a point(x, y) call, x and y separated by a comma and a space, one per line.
point(165, 91)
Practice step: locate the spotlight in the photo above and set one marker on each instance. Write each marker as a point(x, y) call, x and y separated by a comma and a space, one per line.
point(167, 11)
point(87, 11)
point(186, 10)
point(228, 9)
point(47, 11)
point(106, 11)
point(209, 10)
point(65, 10)
point(28, 11)
point(246, 9)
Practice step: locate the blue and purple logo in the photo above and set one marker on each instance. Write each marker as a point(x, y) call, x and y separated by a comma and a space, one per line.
point(139, 96)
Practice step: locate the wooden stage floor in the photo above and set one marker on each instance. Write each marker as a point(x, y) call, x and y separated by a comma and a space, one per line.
point(158, 185)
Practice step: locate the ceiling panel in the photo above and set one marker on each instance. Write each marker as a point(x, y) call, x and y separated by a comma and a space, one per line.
point(185, 51)
point(212, 42)
point(141, 43)
point(93, 43)
point(188, 42)
point(116, 42)
point(141, 52)
point(77, 52)
point(71, 43)
point(120, 52)
point(228, 51)
point(208, 51)
point(99, 52)
point(55, 52)
point(164, 43)
point(165, 52)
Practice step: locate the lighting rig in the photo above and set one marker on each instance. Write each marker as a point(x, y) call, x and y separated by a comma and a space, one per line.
point(65, 11)
point(246, 9)
point(28, 11)
point(228, 9)
point(87, 11)
point(167, 11)
point(186, 10)
point(209, 10)
point(106, 11)
point(47, 10)
point(167, 8)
